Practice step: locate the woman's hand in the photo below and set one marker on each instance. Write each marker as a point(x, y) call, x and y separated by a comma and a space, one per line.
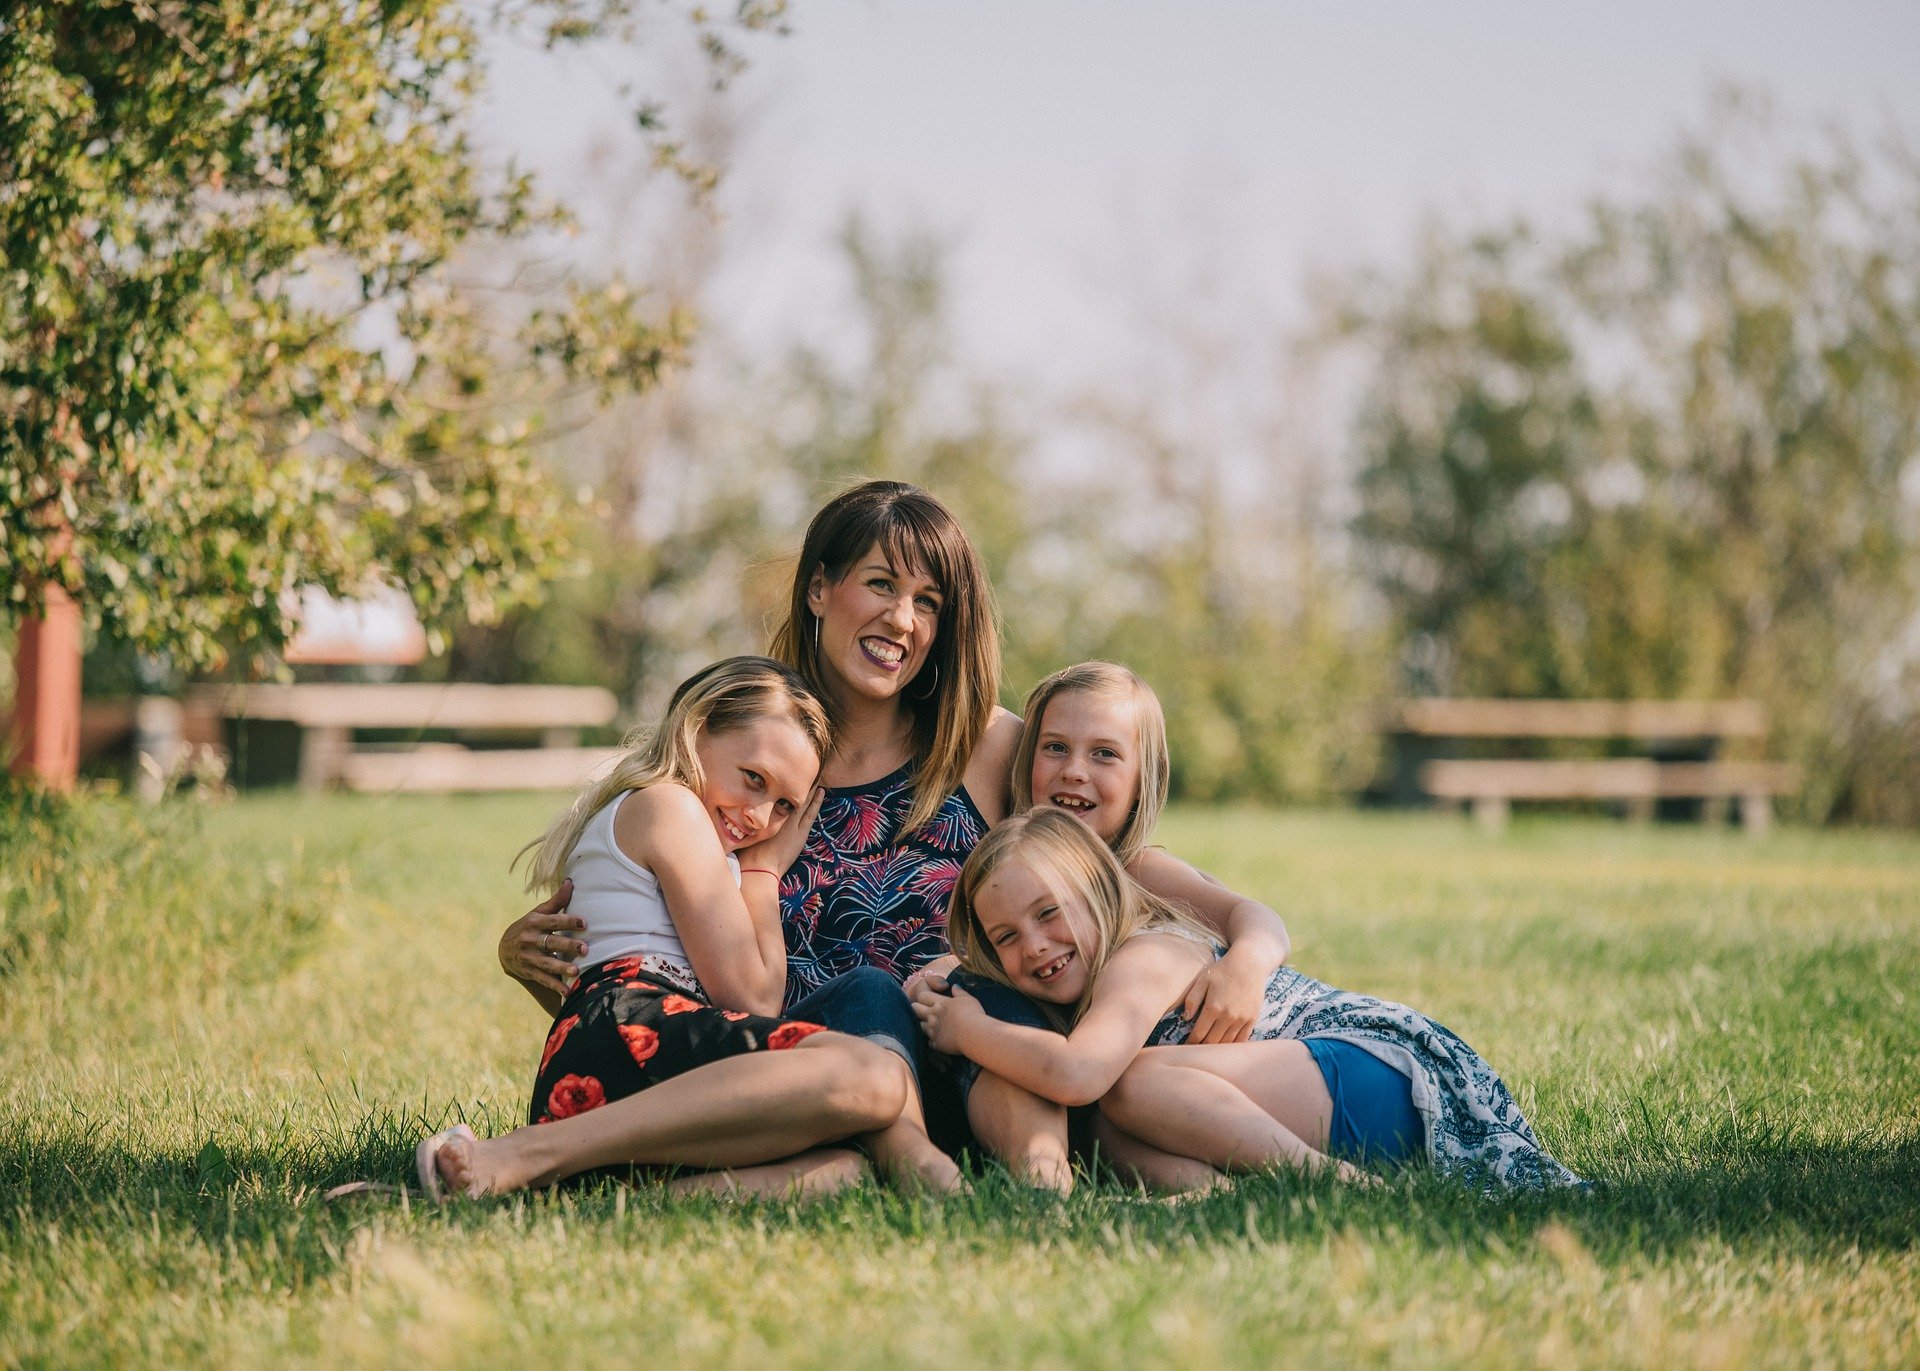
point(945, 1017)
point(936, 970)
point(535, 949)
point(783, 849)
point(1225, 999)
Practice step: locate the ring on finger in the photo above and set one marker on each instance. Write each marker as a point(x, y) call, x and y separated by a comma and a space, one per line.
point(546, 944)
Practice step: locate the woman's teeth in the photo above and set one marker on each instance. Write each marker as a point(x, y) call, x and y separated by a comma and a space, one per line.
point(882, 651)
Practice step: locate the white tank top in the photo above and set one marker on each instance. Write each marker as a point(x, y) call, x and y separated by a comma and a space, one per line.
point(620, 900)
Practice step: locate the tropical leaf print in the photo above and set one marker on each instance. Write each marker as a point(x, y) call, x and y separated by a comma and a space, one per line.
point(862, 894)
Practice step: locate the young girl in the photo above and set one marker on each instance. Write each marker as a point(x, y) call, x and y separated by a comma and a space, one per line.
point(1045, 907)
point(682, 981)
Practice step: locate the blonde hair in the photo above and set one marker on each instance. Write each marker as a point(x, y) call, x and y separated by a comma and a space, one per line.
point(1104, 681)
point(731, 694)
point(1074, 862)
point(913, 529)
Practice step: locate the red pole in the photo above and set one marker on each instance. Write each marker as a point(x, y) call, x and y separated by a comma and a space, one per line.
point(46, 698)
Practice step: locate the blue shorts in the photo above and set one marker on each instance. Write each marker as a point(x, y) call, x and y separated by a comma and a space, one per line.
point(1374, 1120)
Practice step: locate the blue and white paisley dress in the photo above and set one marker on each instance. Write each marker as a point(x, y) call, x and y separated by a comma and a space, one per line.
point(1474, 1129)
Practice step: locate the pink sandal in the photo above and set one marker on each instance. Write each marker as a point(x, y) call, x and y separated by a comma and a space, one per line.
point(426, 1159)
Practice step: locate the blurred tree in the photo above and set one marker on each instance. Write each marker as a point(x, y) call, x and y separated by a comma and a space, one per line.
point(235, 356)
point(1671, 453)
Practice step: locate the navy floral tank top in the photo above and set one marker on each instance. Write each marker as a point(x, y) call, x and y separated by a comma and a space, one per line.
point(865, 894)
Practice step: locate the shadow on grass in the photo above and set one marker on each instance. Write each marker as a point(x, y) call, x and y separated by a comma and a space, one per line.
point(1779, 1195)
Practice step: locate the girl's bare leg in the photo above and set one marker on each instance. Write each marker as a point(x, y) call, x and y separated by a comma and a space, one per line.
point(823, 1171)
point(1025, 1132)
point(1237, 1106)
point(738, 1112)
point(905, 1154)
point(1148, 1167)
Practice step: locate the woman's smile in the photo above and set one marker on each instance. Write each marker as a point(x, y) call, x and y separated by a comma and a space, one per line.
point(877, 623)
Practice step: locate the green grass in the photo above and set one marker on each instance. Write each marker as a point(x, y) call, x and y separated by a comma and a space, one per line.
point(208, 1016)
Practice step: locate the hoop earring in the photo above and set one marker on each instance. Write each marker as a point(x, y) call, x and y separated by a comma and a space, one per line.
point(933, 689)
point(816, 637)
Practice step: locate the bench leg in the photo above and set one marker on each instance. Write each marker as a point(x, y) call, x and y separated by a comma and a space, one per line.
point(1490, 811)
point(1756, 812)
point(322, 752)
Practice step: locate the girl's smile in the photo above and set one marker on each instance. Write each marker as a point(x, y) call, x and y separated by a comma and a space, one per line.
point(1087, 761)
point(1033, 932)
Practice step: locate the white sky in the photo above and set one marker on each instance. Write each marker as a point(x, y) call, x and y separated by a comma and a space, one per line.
point(1064, 144)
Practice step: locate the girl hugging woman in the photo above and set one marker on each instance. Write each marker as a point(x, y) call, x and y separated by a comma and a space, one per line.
point(1055, 904)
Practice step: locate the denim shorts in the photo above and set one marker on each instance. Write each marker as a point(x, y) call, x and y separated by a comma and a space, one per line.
point(868, 1003)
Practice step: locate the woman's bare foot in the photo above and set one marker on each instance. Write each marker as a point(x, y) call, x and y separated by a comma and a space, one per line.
point(811, 1175)
point(906, 1156)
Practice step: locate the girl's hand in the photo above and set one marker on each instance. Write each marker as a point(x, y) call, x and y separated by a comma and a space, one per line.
point(783, 849)
point(944, 1018)
point(936, 970)
point(535, 948)
point(1225, 1000)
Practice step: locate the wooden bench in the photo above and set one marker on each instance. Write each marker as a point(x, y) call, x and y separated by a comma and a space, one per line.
point(1489, 785)
point(328, 714)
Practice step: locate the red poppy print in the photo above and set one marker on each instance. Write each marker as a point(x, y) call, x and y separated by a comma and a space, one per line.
point(575, 1095)
point(622, 968)
point(642, 1042)
point(679, 1004)
point(734, 1015)
point(555, 1038)
point(787, 1034)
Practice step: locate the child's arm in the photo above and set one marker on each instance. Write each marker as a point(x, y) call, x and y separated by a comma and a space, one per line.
point(665, 828)
point(1134, 990)
point(1224, 1000)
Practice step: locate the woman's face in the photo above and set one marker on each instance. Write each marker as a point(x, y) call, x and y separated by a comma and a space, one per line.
point(756, 778)
point(1036, 932)
point(877, 623)
point(1087, 760)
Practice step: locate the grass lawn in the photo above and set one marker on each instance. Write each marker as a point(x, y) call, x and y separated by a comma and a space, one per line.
point(210, 1015)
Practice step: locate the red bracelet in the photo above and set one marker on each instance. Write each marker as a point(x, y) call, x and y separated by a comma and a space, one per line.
point(759, 871)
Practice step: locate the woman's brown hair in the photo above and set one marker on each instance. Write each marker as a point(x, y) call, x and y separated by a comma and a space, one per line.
point(915, 532)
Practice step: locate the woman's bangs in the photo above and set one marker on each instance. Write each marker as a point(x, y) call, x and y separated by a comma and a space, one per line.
point(912, 545)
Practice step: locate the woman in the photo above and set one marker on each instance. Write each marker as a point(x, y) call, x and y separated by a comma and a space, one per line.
point(890, 621)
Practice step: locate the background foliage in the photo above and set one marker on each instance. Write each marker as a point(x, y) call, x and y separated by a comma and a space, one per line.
point(237, 353)
point(1669, 451)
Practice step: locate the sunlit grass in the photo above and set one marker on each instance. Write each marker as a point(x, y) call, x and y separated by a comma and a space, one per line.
point(209, 1017)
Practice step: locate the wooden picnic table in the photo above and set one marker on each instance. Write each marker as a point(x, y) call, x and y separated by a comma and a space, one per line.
point(327, 716)
point(1683, 736)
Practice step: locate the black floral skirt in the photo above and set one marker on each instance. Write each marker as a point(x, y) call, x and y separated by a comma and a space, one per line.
point(627, 1025)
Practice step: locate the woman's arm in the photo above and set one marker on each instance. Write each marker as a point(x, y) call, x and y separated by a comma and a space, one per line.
point(1135, 989)
point(536, 951)
point(1224, 1000)
point(990, 769)
point(665, 828)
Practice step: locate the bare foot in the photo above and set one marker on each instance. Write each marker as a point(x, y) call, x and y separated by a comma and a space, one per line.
point(906, 1156)
point(811, 1175)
